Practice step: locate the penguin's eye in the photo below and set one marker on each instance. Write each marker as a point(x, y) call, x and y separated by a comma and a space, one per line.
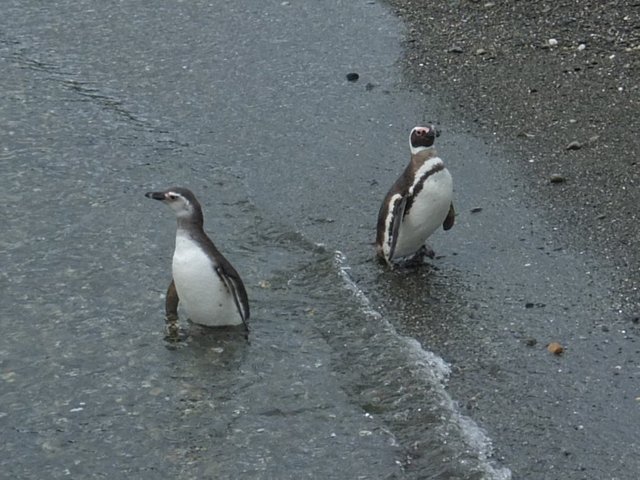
point(172, 196)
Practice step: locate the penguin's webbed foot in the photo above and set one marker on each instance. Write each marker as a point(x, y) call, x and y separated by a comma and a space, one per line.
point(172, 330)
point(418, 259)
point(425, 251)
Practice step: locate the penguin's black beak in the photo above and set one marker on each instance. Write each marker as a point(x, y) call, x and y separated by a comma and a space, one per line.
point(155, 195)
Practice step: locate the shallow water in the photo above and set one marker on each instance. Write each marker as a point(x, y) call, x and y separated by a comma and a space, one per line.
point(249, 107)
point(109, 103)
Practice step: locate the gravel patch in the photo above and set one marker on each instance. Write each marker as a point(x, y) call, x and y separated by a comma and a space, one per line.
point(558, 84)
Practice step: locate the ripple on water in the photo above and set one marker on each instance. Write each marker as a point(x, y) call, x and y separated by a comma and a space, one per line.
point(395, 378)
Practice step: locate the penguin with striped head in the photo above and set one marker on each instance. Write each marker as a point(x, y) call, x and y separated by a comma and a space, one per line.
point(418, 203)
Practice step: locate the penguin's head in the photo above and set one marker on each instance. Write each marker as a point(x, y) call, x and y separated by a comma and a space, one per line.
point(422, 137)
point(181, 200)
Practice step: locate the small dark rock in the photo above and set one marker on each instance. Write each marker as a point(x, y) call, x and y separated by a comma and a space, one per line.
point(575, 145)
point(529, 305)
point(456, 49)
point(353, 77)
point(531, 342)
point(556, 178)
point(476, 209)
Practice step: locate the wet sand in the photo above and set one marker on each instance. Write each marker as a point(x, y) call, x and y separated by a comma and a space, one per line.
point(558, 86)
point(553, 91)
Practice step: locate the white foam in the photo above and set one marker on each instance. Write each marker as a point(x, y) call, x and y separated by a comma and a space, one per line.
point(435, 372)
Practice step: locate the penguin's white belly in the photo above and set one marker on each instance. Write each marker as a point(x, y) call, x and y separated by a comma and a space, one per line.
point(427, 213)
point(202, 293)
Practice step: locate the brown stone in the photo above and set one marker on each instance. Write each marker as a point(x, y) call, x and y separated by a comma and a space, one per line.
point(555, 348)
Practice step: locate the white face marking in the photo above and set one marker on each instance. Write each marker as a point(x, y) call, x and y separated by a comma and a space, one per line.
point(415, 150)
point(178, 204)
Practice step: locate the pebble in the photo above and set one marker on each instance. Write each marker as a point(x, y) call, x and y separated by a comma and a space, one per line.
point(525, 135)
point(476, 209)
point(353, 77)
point(456, 49)
point(557, 178)
point(555, 348)
point(575, 145)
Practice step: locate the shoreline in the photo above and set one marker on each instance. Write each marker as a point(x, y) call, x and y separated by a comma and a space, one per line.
point(556, 90)
point(558, 85)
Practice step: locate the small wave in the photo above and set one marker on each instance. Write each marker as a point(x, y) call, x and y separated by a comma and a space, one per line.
point(435, 371)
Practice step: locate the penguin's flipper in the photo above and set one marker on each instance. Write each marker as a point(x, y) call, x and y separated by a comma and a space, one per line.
point(234, 285)
point(397, 215)
point(451, 217)
point(171, 302)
